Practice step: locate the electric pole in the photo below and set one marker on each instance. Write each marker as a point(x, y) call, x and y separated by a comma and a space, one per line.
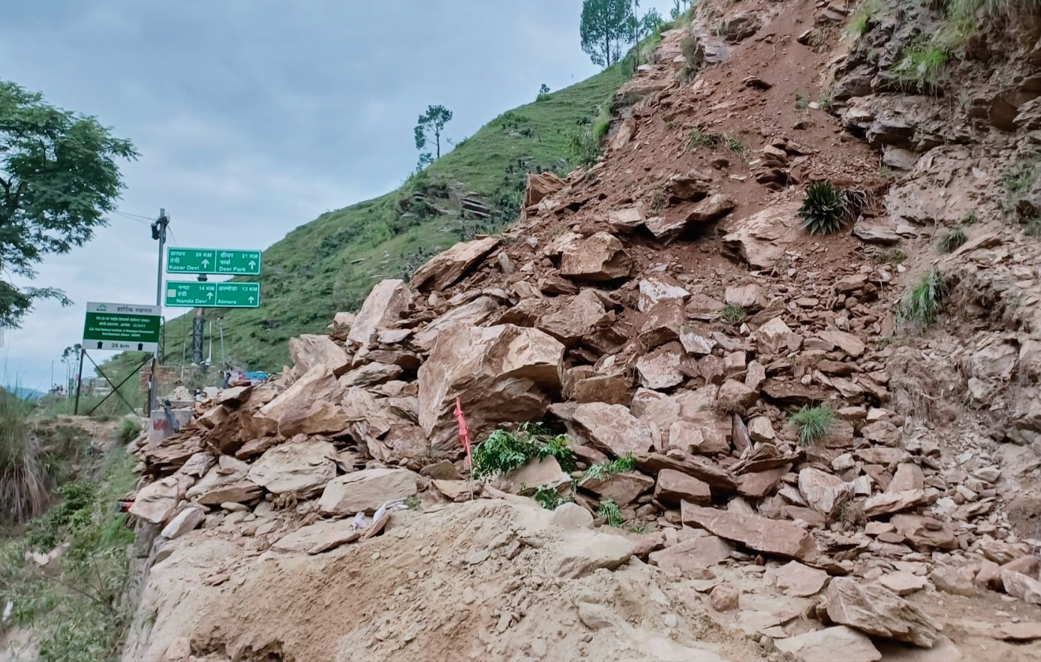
point(158, 234)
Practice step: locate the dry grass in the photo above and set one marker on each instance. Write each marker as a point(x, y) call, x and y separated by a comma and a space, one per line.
point(24, 480)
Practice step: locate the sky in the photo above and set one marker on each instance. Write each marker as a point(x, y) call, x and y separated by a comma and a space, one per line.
point(253, 117)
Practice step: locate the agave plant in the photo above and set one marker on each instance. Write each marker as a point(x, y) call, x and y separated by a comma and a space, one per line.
point(824, 209)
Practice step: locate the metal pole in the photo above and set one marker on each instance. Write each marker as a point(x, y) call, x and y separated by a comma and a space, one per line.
point(158, 233)
point(79, 383)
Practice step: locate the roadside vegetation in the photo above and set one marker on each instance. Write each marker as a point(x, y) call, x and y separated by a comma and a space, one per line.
point(814, 424)
point(921, 306)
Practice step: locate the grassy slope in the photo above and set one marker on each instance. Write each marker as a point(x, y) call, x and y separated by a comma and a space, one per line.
point(330, 264)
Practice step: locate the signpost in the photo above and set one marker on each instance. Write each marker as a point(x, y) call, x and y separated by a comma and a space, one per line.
point(212, 261)
point(212, 295)
point(120, 326)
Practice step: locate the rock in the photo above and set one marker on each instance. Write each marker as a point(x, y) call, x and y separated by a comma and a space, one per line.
point(907, 477)
point(695, 341)
point(903, 583)
point(226, 482)
point(1027, 565)
point(310, 406)
point(571, 516)
point(624, 488)
point(702, 469)
point(662, 369)
point(660, 287)
point(308, 351)
point(184, 522)
point(472, 314)
point(302, 468)
point(365, 491)
point(875, 233)
point(701, 307)
point(318, 537)
point(611, 429)
point(775, 338)
point(388, 301)
point(662, 324)
point(447, 268)
point(697, 437)
point(711, 209)
point(629, 218)
point(501, 374)
point(798, 580)
point(879, 612)
point(829, 645)
point(759, 484)
point(540, 186)
point(457, 490)
point(598, 258)
point(924, 535)
point(586, 551)
point(741, 26)
point(674, 487)
point(1020, 586)
point(690, 186)
point(957, 581)
point(822, 491)
point(156, 502)
point(1028, 631)
point(888, 503)
point(544, 472)
point(236, 395)
point(736, 397)
point(666, 228)
point(724, 597)
point(759, 533)
point(847, 342)
point(570, 319)
point(371, 374)
point(749, 297)
point(761, 430)
point(690, 556)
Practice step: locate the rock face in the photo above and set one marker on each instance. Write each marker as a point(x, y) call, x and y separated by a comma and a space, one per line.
point(611, 429)
point(308, 351)
point(540, 186)
point(385, 305)
point(365, 491)
point(879, 612)
point(447, 268)
point(599, 258)
point(302, 468)
point(501, 374)
point(759, 533)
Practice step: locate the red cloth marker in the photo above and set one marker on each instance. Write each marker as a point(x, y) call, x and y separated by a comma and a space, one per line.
point(464, 433)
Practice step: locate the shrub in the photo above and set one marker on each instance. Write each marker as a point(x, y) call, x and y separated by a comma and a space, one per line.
point(26, 474)
point(824, 209)
point(813, 423)
point(543, 93)
point(859, 22)
point(802, 100)
point(610, 513)
point(921, 306)
point(700, 139)
point(951, 240)
point(608, 469)
point(734, 144)
point(583, 148)
point(920, 67)
point(505, 451)
point(549, 498)
point(129, 431)
point(689, 49)
point(733, 314)
point(970, 218)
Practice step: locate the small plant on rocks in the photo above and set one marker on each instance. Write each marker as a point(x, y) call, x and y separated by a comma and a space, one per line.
point(506, 450)
point(549, 498)
point(921, 306)
point(802, 100)
point(700, 139)
point(951, 240)
point(733, 314)
point(610, 513)
point(824, 209)
point(608, 469)
point(813, 423)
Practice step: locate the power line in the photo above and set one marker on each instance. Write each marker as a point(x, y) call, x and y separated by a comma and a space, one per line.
point(172, 237)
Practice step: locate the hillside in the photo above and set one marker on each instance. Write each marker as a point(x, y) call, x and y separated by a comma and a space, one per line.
point(330, 264)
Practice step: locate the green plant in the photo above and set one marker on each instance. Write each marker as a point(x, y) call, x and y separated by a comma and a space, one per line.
point(734, 144)
point(733, 314)
point(413, 502)
point(506, 450)
point(970, 218)
point(610, 513)
point(922, 305)
point(689, 48)
point(802, 100)
point(824, 210)
point(813, 423)
point(886, 172)
point(1022, 174)
point(884, 342)
point(128, 431)
point(605, 25)
point(920, 67)
point(826, 100)
point(26, 474)
point(607, 469)
point(1032, 227)
point(583, 147)
point(698, 138)
point(865, 12)
point(550, 498)
point(543, 94)
point(951, 240)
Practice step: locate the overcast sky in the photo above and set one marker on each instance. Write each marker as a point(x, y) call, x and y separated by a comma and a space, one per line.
point(253, 117)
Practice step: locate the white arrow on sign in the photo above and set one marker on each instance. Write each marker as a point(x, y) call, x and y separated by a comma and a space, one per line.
point(209, 295)
point(205, 263)
point(250, 299)
point(252, 264)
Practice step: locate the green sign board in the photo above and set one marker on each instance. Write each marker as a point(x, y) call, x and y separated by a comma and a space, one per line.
point(212, 295)
point(122, 326)
point(212, 261)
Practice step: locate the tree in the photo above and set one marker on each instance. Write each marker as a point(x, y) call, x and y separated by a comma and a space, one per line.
point(606, 25)
point(429, 128)
point(652, 21)
point(543, 93)
point(58, 177)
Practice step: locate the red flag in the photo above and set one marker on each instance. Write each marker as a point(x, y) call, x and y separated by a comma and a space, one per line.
point(464, 433)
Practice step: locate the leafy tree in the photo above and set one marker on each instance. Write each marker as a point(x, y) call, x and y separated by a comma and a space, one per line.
point(606, 25)
point(678, 7)
point(652, 21)
point(429, 128)
point(543, 93)
point(58, 177)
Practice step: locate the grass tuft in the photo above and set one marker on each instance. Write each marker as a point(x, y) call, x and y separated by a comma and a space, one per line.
point(699, 138)
point(951, 240)
point(733, 314)
point(921, 306)
point(814, 424)
point(607, 469)
point(921, 67)
point(506, 450)
point(128, 431)
point(824, 209)
point(610, 513)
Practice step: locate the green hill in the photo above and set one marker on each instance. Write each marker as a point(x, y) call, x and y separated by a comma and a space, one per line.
point(330, 264)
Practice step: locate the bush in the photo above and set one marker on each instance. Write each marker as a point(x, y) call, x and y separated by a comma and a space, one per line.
point(951, 240)
point(543, 93)
point(583, 148)
point(610, 513)
point(689, 49)
point(733, 314)
point(813, 423)
point(921, 306)
point(26, 472)
point(921, 67)
point(608, 469)
point(701, 139)
point(823, 210)
point(129, 431)
point(505, 451)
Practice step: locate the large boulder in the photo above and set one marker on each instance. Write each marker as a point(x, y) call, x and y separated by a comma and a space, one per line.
point(157, 501)
point(366, 491)
point(227, 482)
point(301, 468)
point(879, 612)
point(569, 319)
point(447, 268)
point(386, 304)
point(785, 539)
point(475, 313)
point(500, 374)
point(308, 351)
point(310, 406)
point(611, 429)
point(598, 258)
point(823, 491)
point(541, 186)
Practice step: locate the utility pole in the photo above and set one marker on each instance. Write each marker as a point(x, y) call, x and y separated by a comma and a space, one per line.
point(199, 332)
point(158, 234)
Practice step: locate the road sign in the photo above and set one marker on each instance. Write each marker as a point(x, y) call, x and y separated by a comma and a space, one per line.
point(122, 326)
point(212, 261)
point(212, 295)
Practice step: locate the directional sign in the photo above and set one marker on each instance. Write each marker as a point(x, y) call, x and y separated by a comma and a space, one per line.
point(212, 295)
point(212, 261)
point(122, 326)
